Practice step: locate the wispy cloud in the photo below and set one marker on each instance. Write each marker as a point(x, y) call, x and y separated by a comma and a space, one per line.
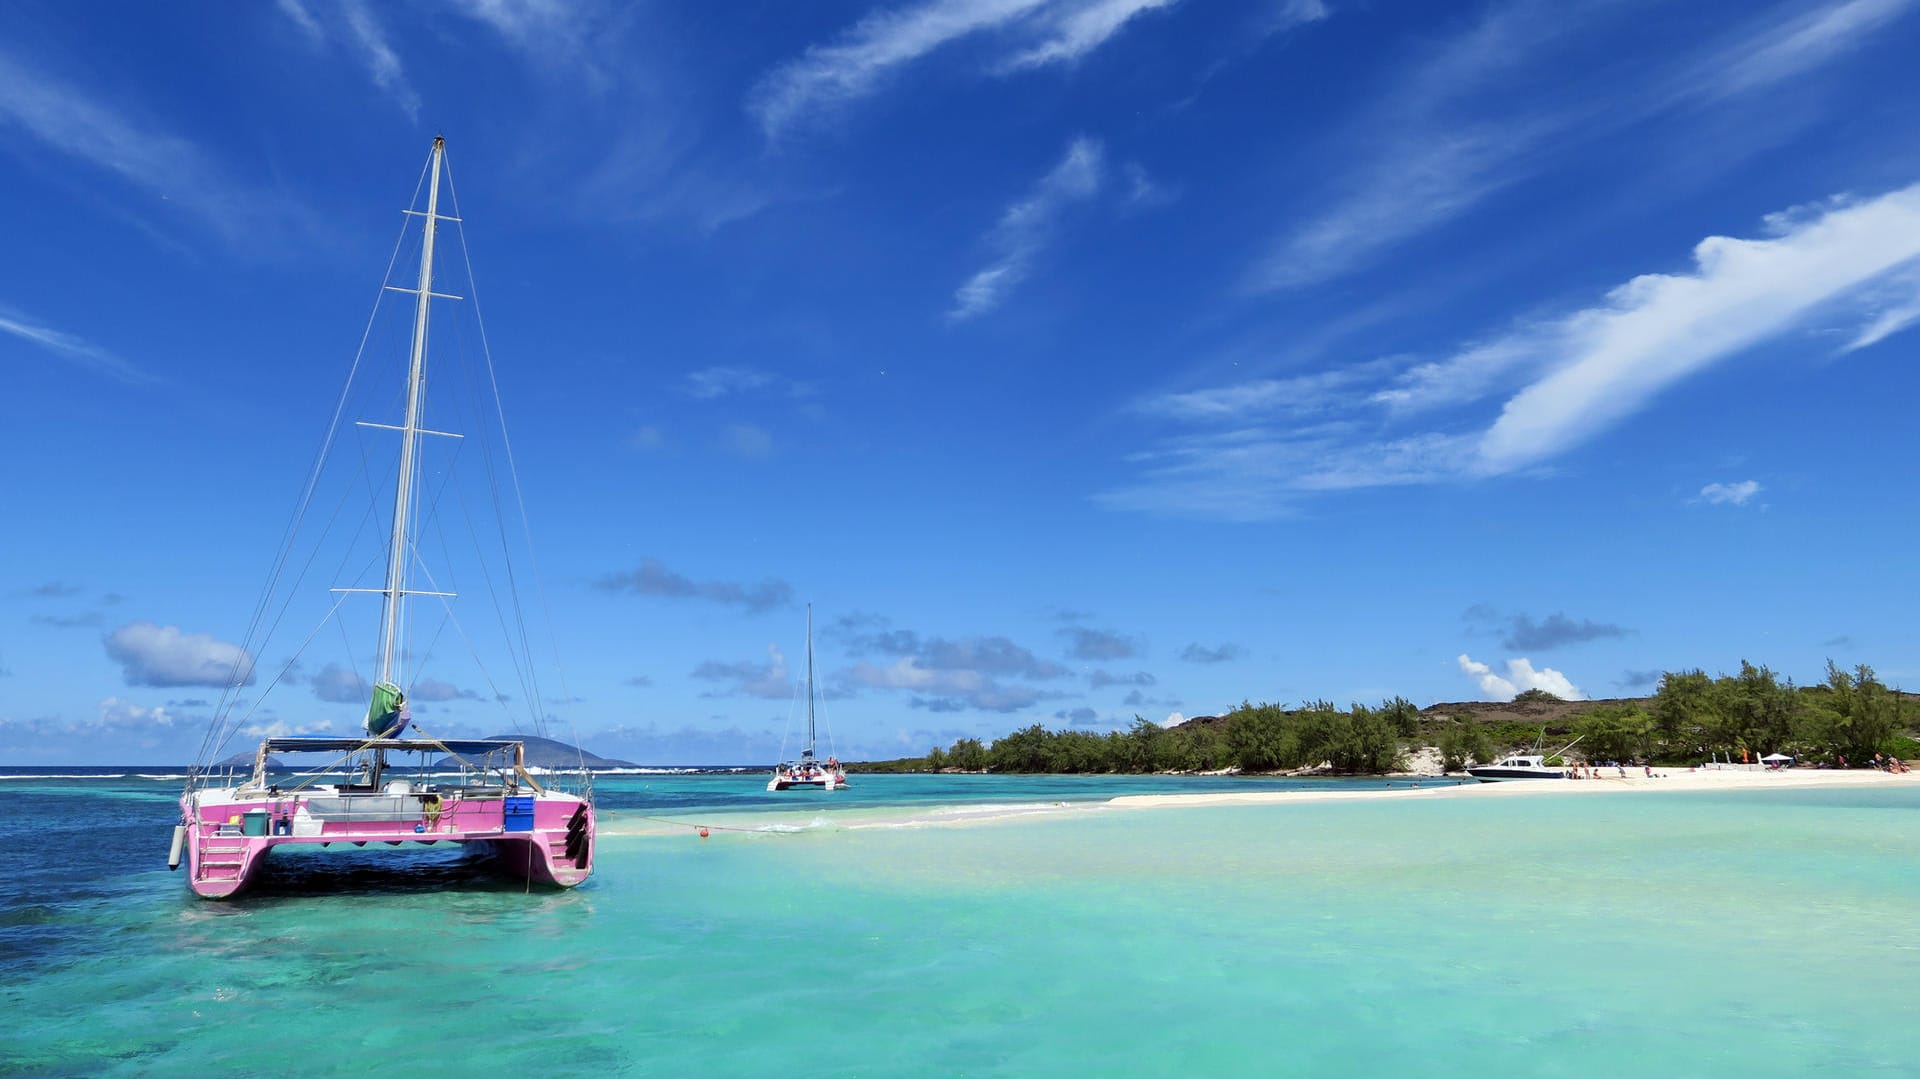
point(1606, 362)
point(553, 32)
point(1730, 494)
point(1455, 131)
point(713, 383)
point(66, 119)
point(1027, 227)
point(77, 351)
point(365, 37)
point(1030, 33)
point(1886, 322)
point(1797, 45)
point(1300, 395)
point(68, 621)
point(1570, 378)
point(655, 579)
point(746, 440)
point(1071, 31)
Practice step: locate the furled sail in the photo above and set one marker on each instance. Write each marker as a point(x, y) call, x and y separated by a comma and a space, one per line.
point(387, 716)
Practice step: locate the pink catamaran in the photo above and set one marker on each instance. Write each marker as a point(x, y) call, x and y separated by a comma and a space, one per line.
point(537, 824)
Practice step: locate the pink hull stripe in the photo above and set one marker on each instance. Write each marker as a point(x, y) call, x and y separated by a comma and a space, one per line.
point(222, 862)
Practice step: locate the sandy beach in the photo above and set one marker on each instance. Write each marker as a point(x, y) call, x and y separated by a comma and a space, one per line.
point(1662, 779)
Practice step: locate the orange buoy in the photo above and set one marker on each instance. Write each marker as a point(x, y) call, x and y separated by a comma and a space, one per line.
point(703, 833)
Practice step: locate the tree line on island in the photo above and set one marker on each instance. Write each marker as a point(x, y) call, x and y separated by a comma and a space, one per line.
point(1691, 718)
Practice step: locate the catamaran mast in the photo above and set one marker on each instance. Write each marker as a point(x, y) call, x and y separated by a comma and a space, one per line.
point(398, 548)
point(809, 679)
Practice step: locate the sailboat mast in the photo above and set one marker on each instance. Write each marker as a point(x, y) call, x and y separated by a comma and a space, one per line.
point(397, 549)
point(809, 679)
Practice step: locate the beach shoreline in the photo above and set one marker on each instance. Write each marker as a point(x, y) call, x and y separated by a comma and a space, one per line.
point(1662, 779)
point(821, 817)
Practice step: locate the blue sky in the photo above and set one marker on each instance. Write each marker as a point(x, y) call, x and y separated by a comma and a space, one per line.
point(1076, 359)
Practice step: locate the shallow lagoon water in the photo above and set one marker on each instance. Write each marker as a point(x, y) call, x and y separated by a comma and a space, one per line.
point(919, 930)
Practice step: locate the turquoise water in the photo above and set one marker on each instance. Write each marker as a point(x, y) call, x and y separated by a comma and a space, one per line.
point(1766, 933)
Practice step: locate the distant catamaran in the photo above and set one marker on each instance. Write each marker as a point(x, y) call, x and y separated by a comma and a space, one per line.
point(535, 830)
point(808, 771)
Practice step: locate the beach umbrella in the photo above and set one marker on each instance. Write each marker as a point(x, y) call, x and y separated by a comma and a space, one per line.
point(1775, 758)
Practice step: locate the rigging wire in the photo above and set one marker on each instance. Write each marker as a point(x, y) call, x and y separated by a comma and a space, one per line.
point(514, 471)
point(241, 662)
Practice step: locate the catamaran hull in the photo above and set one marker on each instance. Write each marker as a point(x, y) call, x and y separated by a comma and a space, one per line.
point(1495, 775)
point(790, 784)
point(554, 847)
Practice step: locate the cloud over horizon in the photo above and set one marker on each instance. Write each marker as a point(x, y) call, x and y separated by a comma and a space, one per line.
point(150, 654)
point(1520, 677)
point(654, 579)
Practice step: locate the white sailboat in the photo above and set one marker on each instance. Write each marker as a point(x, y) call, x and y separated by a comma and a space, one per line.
point(536, 828)
point(809, 770)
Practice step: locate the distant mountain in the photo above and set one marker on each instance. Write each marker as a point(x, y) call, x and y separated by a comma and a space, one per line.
point(547, 753)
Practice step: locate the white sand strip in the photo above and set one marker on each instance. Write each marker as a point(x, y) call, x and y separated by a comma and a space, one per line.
point(1663, 779)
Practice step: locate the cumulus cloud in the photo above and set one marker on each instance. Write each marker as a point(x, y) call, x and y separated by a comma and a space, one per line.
point(156, 655)
point(1096, 644)
point(767, 680)
point(991, 674)
point(432, 689)
point(655, 579)
point(336, 683)
point(1523, 633)
point(1200, 653)
point(1729, 494)
point(948, 689)
point(1632, 679)
point(120, 712)
point(1137, 699)
point(1028, 226)
point(1520, 677)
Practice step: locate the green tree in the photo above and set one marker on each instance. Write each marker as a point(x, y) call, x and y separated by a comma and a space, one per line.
point(1404, 716)
point(968, 755)
point(1464, 743)
point(1616, 732)
point(1684, 708)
